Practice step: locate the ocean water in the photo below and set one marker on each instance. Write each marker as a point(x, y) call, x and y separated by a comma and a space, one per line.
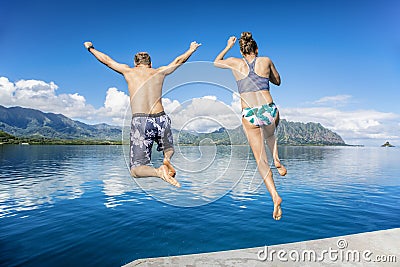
point(78, 206)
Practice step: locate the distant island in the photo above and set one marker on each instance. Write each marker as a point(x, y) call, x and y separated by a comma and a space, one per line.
point(387, 144)
point(30, 126)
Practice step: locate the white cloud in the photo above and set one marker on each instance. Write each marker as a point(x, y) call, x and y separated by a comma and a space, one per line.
point(78, 98)
point(200, 114)
point(170, 105)
point(43, 96)
point(335, 100)
point(236, 103)
point(116, 101)
point(6, 91)
point(203, 114)
point(211, 97)
point(116, 107)
point(351, 125)
point(35, 88)
point(354, 126)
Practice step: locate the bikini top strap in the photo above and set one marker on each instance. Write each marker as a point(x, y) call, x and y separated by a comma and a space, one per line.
point(250, 65)
point(245, 60)
point(253, 64)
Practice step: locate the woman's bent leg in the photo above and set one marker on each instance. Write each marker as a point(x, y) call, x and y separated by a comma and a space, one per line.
point(256, 140)
point(269, 134)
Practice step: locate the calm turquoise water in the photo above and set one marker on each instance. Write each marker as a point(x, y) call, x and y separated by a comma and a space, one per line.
point(77, 205)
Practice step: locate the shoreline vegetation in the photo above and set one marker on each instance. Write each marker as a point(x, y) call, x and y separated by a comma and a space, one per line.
point(115, 143)
point(8, 139)
point(25, 126)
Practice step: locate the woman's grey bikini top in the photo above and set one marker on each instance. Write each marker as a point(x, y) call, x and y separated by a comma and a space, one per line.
point(253, 82)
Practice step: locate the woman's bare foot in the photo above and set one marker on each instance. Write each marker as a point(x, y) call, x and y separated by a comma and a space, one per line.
point(277, 214)
point(281, 169)
point(171, 170)
point(163, 173)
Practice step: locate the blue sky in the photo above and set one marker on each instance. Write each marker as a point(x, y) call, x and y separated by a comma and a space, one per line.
point(338, 57)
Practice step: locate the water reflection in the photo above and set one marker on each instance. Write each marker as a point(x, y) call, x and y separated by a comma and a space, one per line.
point(34, 176)
point(206, 173)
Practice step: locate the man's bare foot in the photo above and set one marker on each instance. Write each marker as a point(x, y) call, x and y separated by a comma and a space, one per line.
point(281, 169)
point(163, 173)
point(171, 170)
point(277, 214)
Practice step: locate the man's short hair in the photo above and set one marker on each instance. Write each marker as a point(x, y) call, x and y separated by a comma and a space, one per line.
point(142, 58)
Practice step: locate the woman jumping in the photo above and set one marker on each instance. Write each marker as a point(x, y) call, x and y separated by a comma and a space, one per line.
point(260, 116)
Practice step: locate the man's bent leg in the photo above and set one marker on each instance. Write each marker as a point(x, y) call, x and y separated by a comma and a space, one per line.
point(166, 142)
point(167, 161)
point(161, 172)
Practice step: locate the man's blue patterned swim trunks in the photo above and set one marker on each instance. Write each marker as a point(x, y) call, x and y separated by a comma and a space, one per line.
point(145, 130)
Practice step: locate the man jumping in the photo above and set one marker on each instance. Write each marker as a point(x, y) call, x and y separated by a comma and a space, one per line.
point(149, 121)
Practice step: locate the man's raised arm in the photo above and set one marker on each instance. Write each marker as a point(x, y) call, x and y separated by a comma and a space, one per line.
point(106, 60)
point(180, 59)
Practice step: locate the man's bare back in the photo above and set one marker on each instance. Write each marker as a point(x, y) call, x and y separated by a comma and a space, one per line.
point(148, 117)
point(144, 82)
point(145, 89)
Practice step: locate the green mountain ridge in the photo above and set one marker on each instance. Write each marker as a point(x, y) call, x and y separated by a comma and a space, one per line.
point(288, 133)
point(25, 122)
point(17, 123)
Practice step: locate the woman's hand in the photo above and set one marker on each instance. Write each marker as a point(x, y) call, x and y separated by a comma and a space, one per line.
point(231, 42)
point(219, 61)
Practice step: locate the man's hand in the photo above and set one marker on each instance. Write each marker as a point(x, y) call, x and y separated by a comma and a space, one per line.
point(87, 44)
point(194, 45)
point(231, 42)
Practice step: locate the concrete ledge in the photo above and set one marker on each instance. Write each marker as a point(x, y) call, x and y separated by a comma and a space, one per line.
point(380, 248)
